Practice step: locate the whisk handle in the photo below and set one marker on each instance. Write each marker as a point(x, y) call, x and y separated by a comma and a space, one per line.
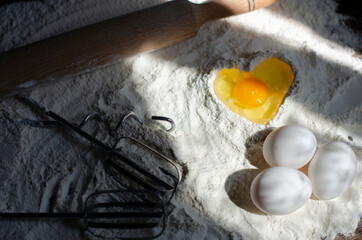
point(78, 215)
point(38, 215)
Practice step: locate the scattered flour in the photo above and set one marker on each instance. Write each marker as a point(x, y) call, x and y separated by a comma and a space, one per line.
point(219, 151)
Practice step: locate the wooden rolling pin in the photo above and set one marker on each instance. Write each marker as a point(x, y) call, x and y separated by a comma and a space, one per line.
point(106, 42)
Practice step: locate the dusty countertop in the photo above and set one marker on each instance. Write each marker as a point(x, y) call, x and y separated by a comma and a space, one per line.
point(218, 151)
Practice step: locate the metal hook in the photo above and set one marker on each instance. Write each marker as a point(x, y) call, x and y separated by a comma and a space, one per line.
point(129, 115)
point(134, 116)
point(167, 119)
point(94, 115)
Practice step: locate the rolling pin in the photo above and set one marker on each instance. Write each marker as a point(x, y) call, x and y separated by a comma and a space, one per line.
point(106, 42)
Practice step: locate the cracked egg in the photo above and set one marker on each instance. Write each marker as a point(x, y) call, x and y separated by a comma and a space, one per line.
point(255, 95)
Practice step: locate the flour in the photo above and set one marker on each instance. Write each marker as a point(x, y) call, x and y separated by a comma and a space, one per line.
point(218, 151)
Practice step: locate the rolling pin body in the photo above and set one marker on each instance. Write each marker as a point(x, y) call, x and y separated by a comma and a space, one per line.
point(106, 42)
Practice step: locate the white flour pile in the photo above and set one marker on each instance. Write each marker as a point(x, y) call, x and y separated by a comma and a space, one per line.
point(44, 170)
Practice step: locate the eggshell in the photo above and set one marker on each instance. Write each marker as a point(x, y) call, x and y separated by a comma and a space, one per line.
point(332, 170)
point(280, 190)
point(289, 146)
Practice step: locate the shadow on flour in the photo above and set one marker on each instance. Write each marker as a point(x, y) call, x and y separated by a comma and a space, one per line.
point(332, 29)
point(238, 184)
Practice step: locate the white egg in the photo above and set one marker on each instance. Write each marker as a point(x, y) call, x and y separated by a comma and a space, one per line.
point(280, 190)
point(332, 170)
point(289, 146)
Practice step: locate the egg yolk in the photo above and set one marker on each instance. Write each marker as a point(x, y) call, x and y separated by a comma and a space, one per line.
point(251, 92)
point(258, 94)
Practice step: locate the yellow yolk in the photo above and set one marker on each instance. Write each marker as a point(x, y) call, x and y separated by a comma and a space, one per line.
point(255, 95)
point(251, 92)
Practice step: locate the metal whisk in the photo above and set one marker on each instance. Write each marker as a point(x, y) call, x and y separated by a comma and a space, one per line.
point(149, 180)
point(160, 175)
point(112, 215)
